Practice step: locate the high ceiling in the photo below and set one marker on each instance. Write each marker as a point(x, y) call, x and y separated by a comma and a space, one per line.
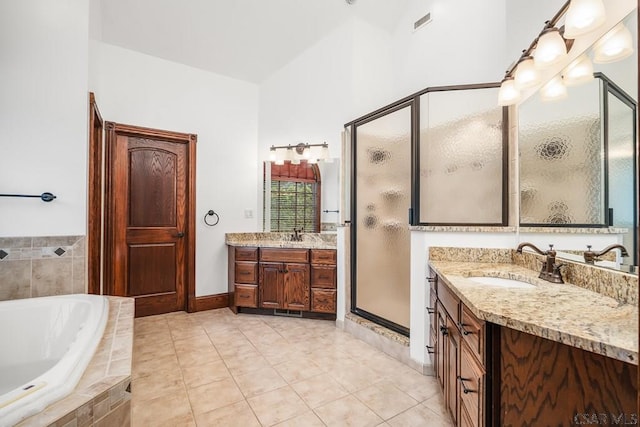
point(244, 39)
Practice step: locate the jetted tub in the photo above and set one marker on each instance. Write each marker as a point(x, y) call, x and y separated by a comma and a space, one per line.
point(45, 345)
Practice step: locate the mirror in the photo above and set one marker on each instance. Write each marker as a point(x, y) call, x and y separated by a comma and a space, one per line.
point(296, 186)
point(577, 155)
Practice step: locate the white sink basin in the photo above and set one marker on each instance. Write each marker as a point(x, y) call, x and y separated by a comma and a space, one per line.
point(499, 281)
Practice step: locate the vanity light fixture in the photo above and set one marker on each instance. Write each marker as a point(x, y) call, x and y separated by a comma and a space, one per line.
point(554, 90)
point(550, 49)
point(508, 93)
point(526, 74)
point(617, 44)
point(295, 153)
point(578, 72)
point(582, 17)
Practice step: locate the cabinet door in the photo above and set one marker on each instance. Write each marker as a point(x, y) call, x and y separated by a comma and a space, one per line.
point(441, 347)
point(296, 286)
point(271, 284)
point(452, 388)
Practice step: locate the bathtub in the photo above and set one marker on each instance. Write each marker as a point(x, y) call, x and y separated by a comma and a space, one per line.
point(45, 345)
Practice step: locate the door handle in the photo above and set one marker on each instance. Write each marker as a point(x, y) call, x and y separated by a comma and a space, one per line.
point(180, 234)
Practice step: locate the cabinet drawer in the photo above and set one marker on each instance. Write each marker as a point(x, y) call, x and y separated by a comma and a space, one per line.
point(323, 256)
point(473, 333)
point(450, 301)
point(323, 277)
point(472, 379)
point(246, 254)
point(323, 300)
point(246, 296)
point(247, 272)
point(284, 255)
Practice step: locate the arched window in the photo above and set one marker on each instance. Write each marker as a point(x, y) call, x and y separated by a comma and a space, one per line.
point(295, 197)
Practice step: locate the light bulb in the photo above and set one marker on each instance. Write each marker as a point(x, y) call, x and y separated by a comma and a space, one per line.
point(617, 44)
point(526, 74)
point(508, 93)
point(582, 17)
point(550, 48)
point(554, 90)
point(578, 72)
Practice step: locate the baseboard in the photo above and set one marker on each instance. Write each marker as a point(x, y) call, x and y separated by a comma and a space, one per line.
point(211, 302)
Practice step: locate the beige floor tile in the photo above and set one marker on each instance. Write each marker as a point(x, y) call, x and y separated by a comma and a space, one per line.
point(199, 342)
point(277, 405)
point(238, 414)
point(436, 404)
point(308, 419)
point(143, 368)
point(420, 387)
point(146, 352)
point(188, 331)
point(298, 369)
point(258, 382)
point(385, 399)
point(198, 375)
point(161, 410)
point(319, 390)
point(354, 376)
point(157, 384)
point(214, 395)
point(188, 358)
point(347, 411)
point(245, 364)
point(419, 415)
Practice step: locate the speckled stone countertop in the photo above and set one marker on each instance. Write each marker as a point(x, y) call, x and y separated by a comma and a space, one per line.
point(281, 240)
point(564, 313)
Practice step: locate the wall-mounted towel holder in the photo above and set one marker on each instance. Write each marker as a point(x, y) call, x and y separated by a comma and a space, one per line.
point(46, 197)
point(216, 218)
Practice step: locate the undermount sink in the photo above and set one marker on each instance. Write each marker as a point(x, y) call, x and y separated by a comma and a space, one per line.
point(500, 281)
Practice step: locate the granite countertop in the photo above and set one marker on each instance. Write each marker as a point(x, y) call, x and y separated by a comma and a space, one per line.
point(281, 240)
point(560, 312)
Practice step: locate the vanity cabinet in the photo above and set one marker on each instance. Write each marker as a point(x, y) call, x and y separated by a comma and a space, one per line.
point(460, 356)
point(283, 278)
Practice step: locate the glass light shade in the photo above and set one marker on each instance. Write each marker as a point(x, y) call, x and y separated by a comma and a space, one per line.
point(508, 93)
point(307, 153)
point(578, 72)
point(312, 161)
point(526, 74)
point(550, 49)
point(279, 162)
point(324, 153)
point(617, 44)
point(582, 17)
point(273, 156)
point(554, 90)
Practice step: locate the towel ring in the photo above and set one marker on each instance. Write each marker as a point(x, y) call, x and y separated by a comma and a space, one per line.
point(213, 214)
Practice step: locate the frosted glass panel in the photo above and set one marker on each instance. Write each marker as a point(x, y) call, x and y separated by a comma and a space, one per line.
point(621, 173)
point(561, 162)
point(461, 157)
point(383, 198)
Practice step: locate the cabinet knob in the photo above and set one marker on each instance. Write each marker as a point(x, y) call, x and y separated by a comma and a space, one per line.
point(465, 390)
point(444, 330)
point(431, 310)
point(432, 279)
point(430, 349)
point(463, 330)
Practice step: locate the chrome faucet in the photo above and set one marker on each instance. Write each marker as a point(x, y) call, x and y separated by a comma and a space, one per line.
point(297, 234)
point(550, 270)
point(590, 257)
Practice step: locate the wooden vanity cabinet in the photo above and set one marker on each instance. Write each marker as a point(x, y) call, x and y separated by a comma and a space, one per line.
point(283, 278)
point(460, 357)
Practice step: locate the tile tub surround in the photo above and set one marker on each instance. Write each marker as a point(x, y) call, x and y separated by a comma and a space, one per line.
point(42, 266)
point(282, 240)
point(102, 397)
point(564, 313)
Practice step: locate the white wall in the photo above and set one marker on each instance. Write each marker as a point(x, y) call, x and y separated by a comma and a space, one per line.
point(142, 90)
point(43, 115)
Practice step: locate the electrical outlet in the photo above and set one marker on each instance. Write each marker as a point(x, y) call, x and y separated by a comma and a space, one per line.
point(248, 213)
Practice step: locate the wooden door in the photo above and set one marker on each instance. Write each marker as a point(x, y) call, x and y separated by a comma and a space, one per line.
point(150, 218)
point(441, 347)
point(94, 202)
point(296, 287)
point(270, 284)
point(452, 393)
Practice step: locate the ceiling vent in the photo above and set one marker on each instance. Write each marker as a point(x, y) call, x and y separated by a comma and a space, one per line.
point(422, 22)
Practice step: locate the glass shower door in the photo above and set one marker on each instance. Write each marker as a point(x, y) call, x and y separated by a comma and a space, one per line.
point(381, 239)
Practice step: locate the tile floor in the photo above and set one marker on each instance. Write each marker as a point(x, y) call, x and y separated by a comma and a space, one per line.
point(215, 368)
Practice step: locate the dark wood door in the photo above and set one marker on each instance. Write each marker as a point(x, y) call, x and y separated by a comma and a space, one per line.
point(441, 348)
point(94, 202)
point(150, 217)
point(271, 277)
point(296, 287)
